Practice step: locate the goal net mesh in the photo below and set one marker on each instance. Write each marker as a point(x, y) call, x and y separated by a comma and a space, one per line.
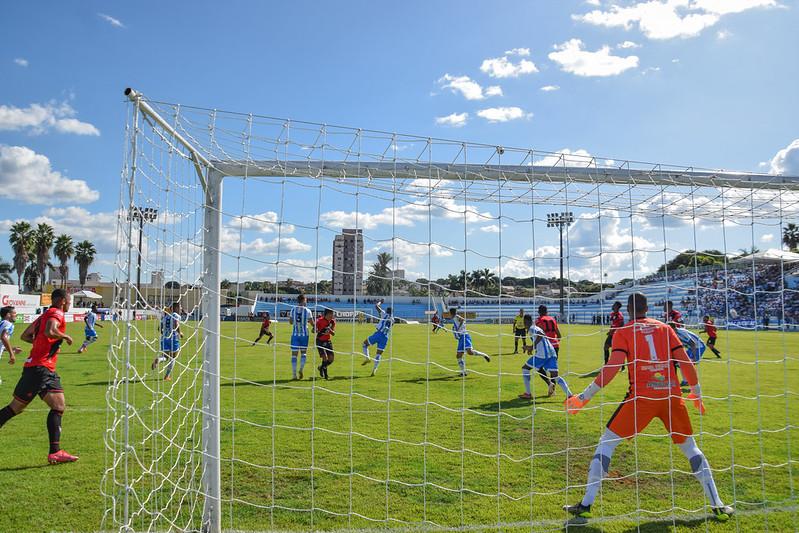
point(350, 217)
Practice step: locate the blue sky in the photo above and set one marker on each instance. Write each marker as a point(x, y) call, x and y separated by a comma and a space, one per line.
point(693, 82)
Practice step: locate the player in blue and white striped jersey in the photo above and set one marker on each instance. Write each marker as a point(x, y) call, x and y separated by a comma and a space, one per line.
point(380, 336)
point(694, 347)
point(8, 315)
point(300, 318)
point(90, 321)
point(545, 359)
point(170, 340)
point(464, 339)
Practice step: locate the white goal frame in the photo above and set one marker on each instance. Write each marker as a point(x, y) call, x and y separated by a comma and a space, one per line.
point(211, 174)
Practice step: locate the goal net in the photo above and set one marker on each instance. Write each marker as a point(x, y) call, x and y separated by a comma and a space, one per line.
point(226, 218)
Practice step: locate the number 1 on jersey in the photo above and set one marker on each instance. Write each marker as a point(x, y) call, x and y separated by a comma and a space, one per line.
point(650, 340)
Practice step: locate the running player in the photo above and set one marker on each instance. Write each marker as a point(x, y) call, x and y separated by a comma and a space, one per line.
point(616, 322)
point(694, 347)
point(90, 321)
point(300, 318)
point(39, 377)
point(710, 329)
point(673, 317)
point(519, 332)
point(649, 347)
point(545, 359)
point(464, 341)
point(8, 315)
point(170, 340)
point(265, 330)
point(325, 329)
point(379, 337)
point(436, 320)
point(550, 327)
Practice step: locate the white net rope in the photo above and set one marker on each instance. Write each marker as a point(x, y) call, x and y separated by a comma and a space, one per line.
point(352, 217)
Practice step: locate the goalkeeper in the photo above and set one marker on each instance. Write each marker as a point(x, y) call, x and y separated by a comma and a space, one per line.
point(649, 347)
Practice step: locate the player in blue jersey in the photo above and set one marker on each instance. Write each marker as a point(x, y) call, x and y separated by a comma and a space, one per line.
point(301, 320)
point(694, 347)
point(90, 321)
point(8, 315)
point(170, 340)
point(379, 337)
point(545, 358)
point(464, 339)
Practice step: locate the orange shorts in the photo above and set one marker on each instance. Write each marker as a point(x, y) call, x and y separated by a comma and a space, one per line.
point(633, 415)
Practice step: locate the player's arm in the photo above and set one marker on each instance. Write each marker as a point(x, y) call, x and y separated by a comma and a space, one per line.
point(379, 307)
point(51, 330)
point(688, 370)
point(557, 332)
point(176, 326)
point(12, 352)
point(618, 354)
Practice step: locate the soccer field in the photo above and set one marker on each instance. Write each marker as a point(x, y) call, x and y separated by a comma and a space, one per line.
point(416, 443)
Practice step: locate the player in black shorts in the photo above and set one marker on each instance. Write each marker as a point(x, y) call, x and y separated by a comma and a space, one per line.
point(325, 329)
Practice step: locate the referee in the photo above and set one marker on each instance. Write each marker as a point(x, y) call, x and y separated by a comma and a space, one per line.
point(519, 332)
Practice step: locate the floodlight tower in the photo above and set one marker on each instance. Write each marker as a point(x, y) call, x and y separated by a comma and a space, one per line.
point(142, 216)
point(560, 221)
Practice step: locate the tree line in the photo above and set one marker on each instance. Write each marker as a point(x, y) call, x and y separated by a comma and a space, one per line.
point(32, 248)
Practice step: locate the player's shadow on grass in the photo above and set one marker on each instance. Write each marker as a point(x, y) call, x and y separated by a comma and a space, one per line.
point(422, 379)
point(512, 403)
point(267, 382)
point(656, 526)
point(20, 468)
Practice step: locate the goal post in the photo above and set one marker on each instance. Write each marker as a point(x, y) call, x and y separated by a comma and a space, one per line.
point(230, 443)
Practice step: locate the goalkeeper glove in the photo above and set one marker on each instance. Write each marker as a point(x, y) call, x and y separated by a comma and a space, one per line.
point(696, 396)
point(576, 402)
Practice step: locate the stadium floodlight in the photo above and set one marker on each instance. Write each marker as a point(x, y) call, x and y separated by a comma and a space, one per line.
point(141, 215)
point(560, 221)
point(324, 455)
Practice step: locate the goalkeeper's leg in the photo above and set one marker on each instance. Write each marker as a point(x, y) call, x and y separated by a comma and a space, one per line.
point(597, 469)
point(701, 469)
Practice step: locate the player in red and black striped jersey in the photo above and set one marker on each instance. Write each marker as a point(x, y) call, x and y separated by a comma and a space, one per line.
point(673, 317)
point(325, 329)
point(616, 321)
point(265, 330)
point(710, 329)
point(39, 377)
point(552, 332)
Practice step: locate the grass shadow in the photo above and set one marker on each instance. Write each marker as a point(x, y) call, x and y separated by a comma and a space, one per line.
point(422, 379)
point(20, 468)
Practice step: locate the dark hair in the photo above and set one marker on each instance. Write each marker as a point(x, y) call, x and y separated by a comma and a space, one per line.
point(389, 310)
point(5, 311)
point(669, 303)
point(58, 294)
point(328, 310)
point(301, 297)
point(528, 318)
point(542, 310)
point(175, 305)
point(453, 310)
point(637, 300)
point(617, 304)
point(94, 307)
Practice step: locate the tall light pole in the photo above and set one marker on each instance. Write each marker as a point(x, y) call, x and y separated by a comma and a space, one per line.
point(560, 221)
point(141, 215)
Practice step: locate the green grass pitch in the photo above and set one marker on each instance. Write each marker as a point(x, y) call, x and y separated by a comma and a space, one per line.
point(409, 424)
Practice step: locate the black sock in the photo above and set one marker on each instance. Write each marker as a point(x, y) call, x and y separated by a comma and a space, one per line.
point(54, 429)
point(543, 374)
point(6, 414)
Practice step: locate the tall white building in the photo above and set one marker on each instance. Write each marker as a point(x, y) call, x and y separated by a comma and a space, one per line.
point(348, 262)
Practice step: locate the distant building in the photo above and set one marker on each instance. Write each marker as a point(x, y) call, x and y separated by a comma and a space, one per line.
point(348, 262)
point(398, 273)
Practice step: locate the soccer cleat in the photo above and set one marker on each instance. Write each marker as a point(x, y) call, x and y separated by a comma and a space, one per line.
point(723, 513)
point(579, 510)
point(321, 369)
point(299, 374)
point(154, 364)
point(61, 457)
point(683, 383)
point(294, 377)
point(550, 389)
point(488, 359)
point(526, 396)
point(463, 374)
point(366, 360)
point(167, 378)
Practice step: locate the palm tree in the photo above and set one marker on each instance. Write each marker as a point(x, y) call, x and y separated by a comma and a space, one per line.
point(378, 282)
point(31, 277)
point(485, 279)
point(64, 249)
point(790, 236)
point(84, 257)
point(43, 237)
point(751, 251)
point(5, 273)
point(20, 239)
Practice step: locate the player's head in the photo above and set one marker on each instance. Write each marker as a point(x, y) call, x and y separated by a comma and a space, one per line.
point(528, 320)
point(8, 313)
point(328, 314)
point(452, 312)
point(616, 306)
point(669, 305)
point(266, 315)
point(706, 318)
point(175, 307)
point(542, 310)
point(636, 305)
point(59, 299)
point(521, 312)
point(389, 310)
point(301, 299)
point(94, 308)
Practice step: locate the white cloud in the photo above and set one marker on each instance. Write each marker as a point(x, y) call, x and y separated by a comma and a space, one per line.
point(767, 237)
point(115, 22)
point(786, 161)
point(675, 60)
point(456, 120)
point(668, 19)
point(502, 67)
point(21, 61)
point(468, 88)
point(262, 223)
point(503, 114)
point(593, 2)
point(725, 7)
point(491, 228)
point(409, 254)
point(550, 88)
point(572, 58)
point(27, 176)
point(518, 52)
point(566, 157)
point(628, 44)
point(260, 246)
point(723, 34)
point(38, 118)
